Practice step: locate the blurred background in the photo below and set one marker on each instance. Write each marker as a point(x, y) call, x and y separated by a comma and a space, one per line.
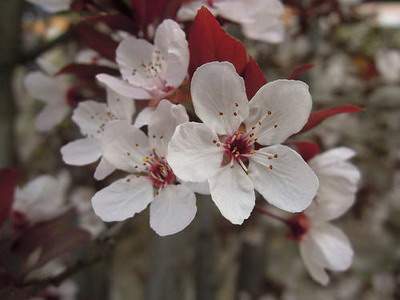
point(355, 49)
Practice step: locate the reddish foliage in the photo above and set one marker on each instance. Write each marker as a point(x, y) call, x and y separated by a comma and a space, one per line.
point(55, 238)
point(319, 116)
point(253, 78)
point(155, 11)
point(306, 149)
point(209, 42)
point(8, 181)
point(87, 71)
point(300, 70)
point(96, 40)
point(114, 21)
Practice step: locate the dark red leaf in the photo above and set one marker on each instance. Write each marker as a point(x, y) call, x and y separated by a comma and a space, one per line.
point(155, 11)
point(300, 70)
point(53, 238)
point(8, 181)
point(306, 149)
point(87, 71)
point(96, 40)
point(114, 21)
point(209, 42)
point(253, 78)
point(319, 116)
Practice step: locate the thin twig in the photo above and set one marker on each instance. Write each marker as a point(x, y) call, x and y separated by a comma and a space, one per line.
point(265, 212)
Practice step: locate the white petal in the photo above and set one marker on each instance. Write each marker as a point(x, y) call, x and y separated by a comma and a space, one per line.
point(125, 146)
point(52, 6)
point(143, 117)
point(123, 199)
point(170, 39)
point(172, 210)
point(123, 87)
point(219, 97)
point(134, 57)
point(269, 32)
point(120, 106)
point(50, 116)
point(282, 107)
point(202, 188)
point(103, 169)
point(45, 88)
point(317, 271)
point(33, 199)
point(90, 116)
point(188, 11)
point(329, 247)
point(81, 152)
point(192, 154)
point(286, 181)
point(338, 183)
point(233, 193)
point(162, 124)
point(388, 64)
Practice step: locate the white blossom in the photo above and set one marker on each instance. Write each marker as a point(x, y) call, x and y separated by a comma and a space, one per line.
point(151, 180)
point(53, 92)
point(388, 64)
point(92, 118)
point(87, 219)
point(151, 71)
point(323, 245)
point(223, 150)
point(260, 19)
point(52, 6)
point(42, 198)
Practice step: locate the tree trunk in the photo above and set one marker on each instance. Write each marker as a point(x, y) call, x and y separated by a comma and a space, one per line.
point(10, 33)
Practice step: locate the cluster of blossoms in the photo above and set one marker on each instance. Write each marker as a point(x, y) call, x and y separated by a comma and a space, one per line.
point(228, 144)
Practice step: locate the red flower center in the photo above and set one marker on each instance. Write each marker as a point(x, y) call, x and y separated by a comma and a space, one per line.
point(238, 147)
point(299, 226)
point(160, 173)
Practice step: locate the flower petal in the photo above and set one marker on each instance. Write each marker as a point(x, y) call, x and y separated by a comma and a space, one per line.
point(120, 106)
point(144, 116)
point(192, 154)
point(52, 6)
point(81, 152)
point(50, 116)
point(123, 199)
point(162, 124)
point(283, 178)
point(45, 88)
point(123, 87)
point(188, 11)
point(135, 58)
point(172, 210)
point(325, 247)
point(219, 97)
point(202, 188)
point(308, 254)
point(170, 39)
point(104, 168)
point(125, 146)
point(282, 107)
point(90, 116)
point(338, 183)
point(233, 193)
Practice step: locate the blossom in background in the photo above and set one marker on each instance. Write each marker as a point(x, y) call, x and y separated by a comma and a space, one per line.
point(92, 118)
point(151, 180)
point(87, 219)
point(41, 199)
point(52, 6)
point(151, 71)
point(388, 64)
point(322, 245)
point(223, 149)
point(55, 93)
point(89, 56)
point(260, 19)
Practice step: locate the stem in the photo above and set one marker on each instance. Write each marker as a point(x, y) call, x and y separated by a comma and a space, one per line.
point(265, 212)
